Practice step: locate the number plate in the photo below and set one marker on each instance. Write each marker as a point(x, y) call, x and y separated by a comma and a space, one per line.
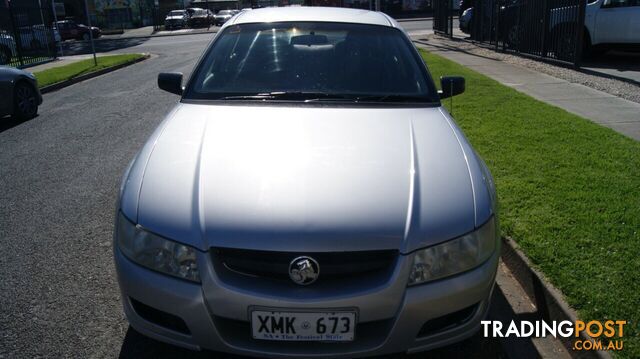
point(303, 326)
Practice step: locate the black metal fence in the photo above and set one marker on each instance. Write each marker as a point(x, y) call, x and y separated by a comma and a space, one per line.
point(548, 29)
point(443, 17)
point(26, 35)
point(113, 20)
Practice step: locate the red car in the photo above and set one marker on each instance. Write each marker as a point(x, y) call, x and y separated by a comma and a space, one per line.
point(68, 29)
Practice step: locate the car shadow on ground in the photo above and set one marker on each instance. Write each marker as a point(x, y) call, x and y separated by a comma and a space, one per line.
point(135, 345)
point(616, 59)
point(75, 47)
point(625, 64)
point(9, 122)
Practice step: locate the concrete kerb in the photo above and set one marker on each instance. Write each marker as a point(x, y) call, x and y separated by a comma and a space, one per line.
point(547, 298)
point(63, 84)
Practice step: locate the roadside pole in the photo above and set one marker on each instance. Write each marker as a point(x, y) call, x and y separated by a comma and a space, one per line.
point(55, 18)
point(206, 2)
point(44, 28)
point(93, 48)
point(41, 15)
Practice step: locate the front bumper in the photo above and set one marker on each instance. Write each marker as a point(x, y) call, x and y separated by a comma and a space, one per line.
point(392, 317)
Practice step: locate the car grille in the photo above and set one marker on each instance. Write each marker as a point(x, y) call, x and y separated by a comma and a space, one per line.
point(334, 266)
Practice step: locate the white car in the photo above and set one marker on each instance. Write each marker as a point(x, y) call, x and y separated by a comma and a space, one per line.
point(610, 22)
point(607, 24)
point(7, 48)
point(223, 16)
point(38, 37)
point(33, 38)
point(176, 19)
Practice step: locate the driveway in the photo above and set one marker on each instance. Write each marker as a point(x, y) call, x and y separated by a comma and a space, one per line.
point(620, 64)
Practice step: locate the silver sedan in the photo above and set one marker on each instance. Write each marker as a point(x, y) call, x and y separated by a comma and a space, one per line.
point(308, 196)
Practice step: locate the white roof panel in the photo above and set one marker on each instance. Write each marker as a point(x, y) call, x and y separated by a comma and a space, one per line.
point(319, 14)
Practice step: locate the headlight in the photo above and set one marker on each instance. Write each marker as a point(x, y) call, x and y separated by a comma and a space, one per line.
point(156, 253)
point(455, 256)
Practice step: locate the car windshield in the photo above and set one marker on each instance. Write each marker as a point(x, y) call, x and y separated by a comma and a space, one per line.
point(177, 13)
point(307, 61)
point(225, 12)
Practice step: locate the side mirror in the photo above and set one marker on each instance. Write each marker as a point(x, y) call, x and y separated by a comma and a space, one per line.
point(451, 86)
point(171, 82)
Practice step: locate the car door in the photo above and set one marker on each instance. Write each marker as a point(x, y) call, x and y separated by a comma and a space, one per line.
point(632, 36)
point(613, 22)
point(73, 29)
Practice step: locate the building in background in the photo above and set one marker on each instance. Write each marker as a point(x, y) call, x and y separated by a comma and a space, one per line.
point(122, 13)
point(217, 5)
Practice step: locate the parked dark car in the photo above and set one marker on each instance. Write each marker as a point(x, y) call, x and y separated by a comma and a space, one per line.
point(68, 29)
point(211, 16)
point(19, 92)
point(517, 20)
point(466, 20)
point(198, 18)
point(511, 21)
point(176, 19)
point(464, 5)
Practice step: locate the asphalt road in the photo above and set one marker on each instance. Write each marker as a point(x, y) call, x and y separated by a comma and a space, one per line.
point(107, 44)
point(59, 175)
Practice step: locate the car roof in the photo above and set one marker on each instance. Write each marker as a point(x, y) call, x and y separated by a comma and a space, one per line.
point(313, 14)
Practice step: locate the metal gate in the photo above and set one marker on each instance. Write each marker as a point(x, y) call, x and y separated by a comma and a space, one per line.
point(26, 35)
point(443, 17)
point(549, 29)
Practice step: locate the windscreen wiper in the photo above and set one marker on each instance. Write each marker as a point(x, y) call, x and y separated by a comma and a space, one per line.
point(392, 98)
point(292, 95)
point(323, 96)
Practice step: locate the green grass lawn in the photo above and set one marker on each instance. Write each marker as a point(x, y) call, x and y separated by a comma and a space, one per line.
point(66, 72)
point(569, 194)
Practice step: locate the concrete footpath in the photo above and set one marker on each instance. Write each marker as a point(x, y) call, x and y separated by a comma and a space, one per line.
point(616, 113)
